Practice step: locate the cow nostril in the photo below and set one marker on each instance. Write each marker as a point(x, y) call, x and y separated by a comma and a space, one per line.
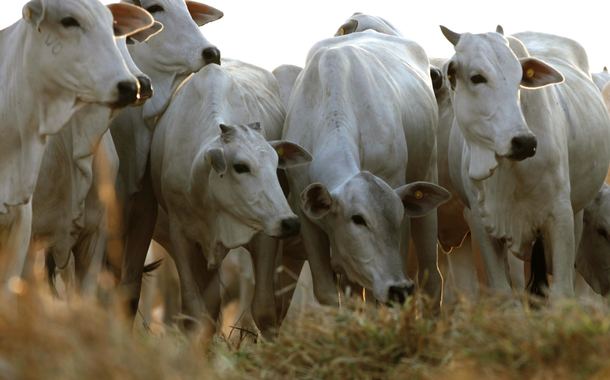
point(399, 293)
point(523, 147)
point(128, 93)
point(211, 55)
point(290, 227)
point(146, 89)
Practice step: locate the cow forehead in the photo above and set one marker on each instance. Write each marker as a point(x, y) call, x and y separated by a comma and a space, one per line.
point(366, 191)
point(248, 144)
point(88, 12)
point(492, 48)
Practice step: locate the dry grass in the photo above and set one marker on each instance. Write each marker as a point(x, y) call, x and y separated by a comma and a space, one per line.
point(497, 338)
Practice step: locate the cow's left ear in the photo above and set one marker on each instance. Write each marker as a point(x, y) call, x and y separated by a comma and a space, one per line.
point(348, 28)
point(537, 73)
point(129, 19)
point(420, 198)
point(216, 158)
point(202, 14)
point(145, 34)
point(33, 12)
point(290, 154)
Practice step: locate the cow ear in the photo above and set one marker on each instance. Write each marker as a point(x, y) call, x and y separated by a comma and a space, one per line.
point(451, 73)
point(202, 14)
point(256, 126)
point(537, 73)
point(290, 154)
point(420, 198)
point(348, 28)
point(437, 77)
point(33, 12)
point(216, 158)
point(129, 19)
point(316, 201)
point(145, 34)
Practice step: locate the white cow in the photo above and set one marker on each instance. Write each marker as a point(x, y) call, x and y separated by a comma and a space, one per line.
point(525, 159)
point(177, 51)
point(66, 205)
point(217, 181)
point(58, 58)
point(600, 79)
point(364, 106)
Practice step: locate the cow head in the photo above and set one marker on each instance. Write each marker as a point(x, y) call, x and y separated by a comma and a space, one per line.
point(485, 78)
point(360, 22)
point(72, 48)
point(244, 187)
point(593, 258)
point(180, 47)
point(364, 216)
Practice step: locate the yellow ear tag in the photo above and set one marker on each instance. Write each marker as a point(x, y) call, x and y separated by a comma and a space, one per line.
point(28, 13)
point(341, 31)
point(280, 152)
point(419, 194)
point(210, 160)
point(530, 73)
point(448, 76)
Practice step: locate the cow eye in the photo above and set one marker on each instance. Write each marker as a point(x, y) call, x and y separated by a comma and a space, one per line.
point(602, 233)
point(359, 220)
point(69, 21)
point(476, 79)
point(241, 168)
point(155, 8)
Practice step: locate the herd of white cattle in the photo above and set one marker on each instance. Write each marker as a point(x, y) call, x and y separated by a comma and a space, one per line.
point(361, 163)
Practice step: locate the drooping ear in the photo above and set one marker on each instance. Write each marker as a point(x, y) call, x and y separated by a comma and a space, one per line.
point(453, 37)
point(316, 201)
point(537, 73)
point(202, 14)
point(129, 19)
point(145, 34)
point(290, 154)
point(451, 73)
point(33, 12)
point(216, 158)
point(437, 77)
point(500, 29)
point(348, 28)
point(420, 198)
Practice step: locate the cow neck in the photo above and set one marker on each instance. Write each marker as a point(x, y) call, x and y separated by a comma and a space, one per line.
point(336, 159)
point(29, 109)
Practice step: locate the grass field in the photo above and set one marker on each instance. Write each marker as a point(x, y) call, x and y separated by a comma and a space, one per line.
point(497, 338)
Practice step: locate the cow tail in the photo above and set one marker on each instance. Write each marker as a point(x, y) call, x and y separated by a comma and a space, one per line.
point(148, 269)
point(49, 262)
point(539, 281)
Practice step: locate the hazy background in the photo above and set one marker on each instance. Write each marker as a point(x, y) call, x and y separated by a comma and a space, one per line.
point(269, 33)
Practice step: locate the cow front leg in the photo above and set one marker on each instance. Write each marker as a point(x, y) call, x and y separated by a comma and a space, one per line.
point(559, 240)
point(264, 251)
point(423, 232)
point(14, 243)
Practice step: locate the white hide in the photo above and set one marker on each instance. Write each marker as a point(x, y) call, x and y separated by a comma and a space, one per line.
point(600, 79)
point(364, 106)
point(198, 174)
point(286, 75)
point(360, 22)
point(593, 258)
point(513, 201)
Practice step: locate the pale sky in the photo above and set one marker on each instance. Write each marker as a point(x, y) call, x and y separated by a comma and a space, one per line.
point(269, 33)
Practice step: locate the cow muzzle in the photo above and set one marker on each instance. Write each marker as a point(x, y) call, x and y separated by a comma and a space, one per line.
point(211, 55)
point(289, 227)
point(128, 94)
point(399, 294)
point(146, 89)
point(523, 147)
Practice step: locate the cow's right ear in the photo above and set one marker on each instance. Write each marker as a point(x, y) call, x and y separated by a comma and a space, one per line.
point(202, 13)
point(537, 73)
point(316, 201)
point(216, 158)
point(145, 34)
point(33, 12)
point(348, 28)
point(420, 198)
point(290, 154)
point(129, 19)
